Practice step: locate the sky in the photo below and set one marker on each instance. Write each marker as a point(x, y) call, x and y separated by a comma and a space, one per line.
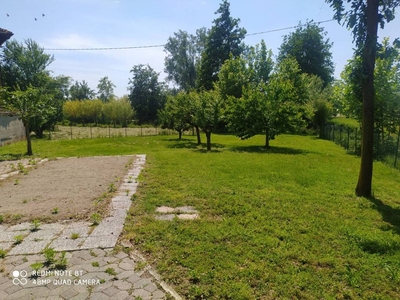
point(66, 24)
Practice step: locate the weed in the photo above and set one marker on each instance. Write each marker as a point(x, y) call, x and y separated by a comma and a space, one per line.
point(74, 236)
point(54, 211)
point(16, 217)
point(22, 169)
point(37, 266)
point(102, 280)
point(61, 262)
point(127, 192)
point(16, 182)
point(95, 218)
point(24, 201)
point(92, 253)
point(140, 266)
point(35, 225)
point(49, 255)
point(138, 298)
point(95, 264)
point(32, 162)
point(110, 271)
point(130, 179)
point(112, 188)
point(3, 253)
point(24, 259)
point(18, 239)
point(13, 168)
point(1, 219)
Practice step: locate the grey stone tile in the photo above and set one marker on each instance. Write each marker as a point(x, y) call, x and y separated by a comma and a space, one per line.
point(167, 217)
point(8, 236)
point(19, 227)
point(188, 216)
point(63, 244)
point(42, 234)
point(29, 247)
point(100, 242)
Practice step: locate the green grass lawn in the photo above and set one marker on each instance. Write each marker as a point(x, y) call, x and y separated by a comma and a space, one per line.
point(276, 224)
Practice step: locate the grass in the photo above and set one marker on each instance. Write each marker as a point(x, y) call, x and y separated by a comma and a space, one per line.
point(277, 224)
point(352, 123)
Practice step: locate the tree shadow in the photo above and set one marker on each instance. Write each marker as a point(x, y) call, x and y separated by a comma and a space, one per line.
point(271, 149)
point(192, 145)
point(389, 214)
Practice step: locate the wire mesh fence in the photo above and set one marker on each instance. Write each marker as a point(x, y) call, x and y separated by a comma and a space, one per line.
point(386, 146)
point(77, 132)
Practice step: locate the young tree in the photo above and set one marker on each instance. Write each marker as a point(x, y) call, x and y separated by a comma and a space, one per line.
point(208, 112)
point(225, 38)
point(81, 91)
point(175, 114)
point(146, 93)
point(105, 89)
point(272, 108)
point(30, 104)
point(311, 50)
point(363, 18)
point(24, 65)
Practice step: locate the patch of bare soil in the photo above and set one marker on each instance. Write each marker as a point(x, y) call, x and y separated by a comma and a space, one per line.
point(62, 189)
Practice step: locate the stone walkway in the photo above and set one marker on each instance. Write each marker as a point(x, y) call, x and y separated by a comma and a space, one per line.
point(91, 269)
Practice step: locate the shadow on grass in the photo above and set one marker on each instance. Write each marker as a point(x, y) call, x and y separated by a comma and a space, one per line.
point(389, 214)
point(271, 149)
point(191, 144)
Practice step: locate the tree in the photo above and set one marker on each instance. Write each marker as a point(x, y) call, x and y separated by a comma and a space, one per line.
point(175, 114)
point(105, 89)
point(24, 66)
point(272, 108)
point(29, 104)
point(225, 38)
point(180, 62)
point(146, 93)
point(363, 18)
point(81, 91)
point(311, 50)
point(208, 112)
point(238, 73)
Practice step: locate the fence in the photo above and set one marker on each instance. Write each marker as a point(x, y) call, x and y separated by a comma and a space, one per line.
point(76, 132)
point(386, 147)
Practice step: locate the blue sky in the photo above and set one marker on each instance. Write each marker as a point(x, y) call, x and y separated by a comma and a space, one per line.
point(126, 23)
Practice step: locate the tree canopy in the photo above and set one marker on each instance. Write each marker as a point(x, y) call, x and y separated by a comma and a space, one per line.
point(307, 44)
point(225, 39)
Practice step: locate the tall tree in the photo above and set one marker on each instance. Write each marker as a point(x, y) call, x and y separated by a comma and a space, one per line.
point(307, 44)
point(81, 91)
point(146, 93)
point(363, 18)
point(225, 38)
point(180, 62)
point(105, 89)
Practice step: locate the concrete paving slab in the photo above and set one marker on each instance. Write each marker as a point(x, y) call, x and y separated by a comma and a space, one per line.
point(19, 227)
point(99, 242)
point(165, 210)
point(186, 209)
point(29, 247)
point(8, 236)
point(188, 216)
point(167, 217)
point(42, 234)
point(81, 228)
point(64, 244)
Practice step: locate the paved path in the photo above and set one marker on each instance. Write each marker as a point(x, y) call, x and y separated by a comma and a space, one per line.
point(94, 269)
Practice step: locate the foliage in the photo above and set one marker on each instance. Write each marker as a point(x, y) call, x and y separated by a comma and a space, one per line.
point(182, 57)
point(312, 52)
point(176, 113)
point(23, 66)
point(81, 91)
point(272, 108)
point(32, 105)
point(225, 39)
point(118, 111)
point(105, 89)
point(208, 113)
point(146, 93)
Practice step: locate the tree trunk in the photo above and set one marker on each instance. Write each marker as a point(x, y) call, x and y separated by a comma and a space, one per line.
point(180, 134)
point(198, 134)
point(208, 135)
point(28, 139)
point(267, 138)
point(364, 185)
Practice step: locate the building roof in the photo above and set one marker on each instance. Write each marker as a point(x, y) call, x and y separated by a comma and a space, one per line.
point(5, 35)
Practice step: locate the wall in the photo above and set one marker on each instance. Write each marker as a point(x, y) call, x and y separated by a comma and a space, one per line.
point(11, 130)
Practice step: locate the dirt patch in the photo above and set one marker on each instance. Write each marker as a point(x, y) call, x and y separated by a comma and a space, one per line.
point(62, 189)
